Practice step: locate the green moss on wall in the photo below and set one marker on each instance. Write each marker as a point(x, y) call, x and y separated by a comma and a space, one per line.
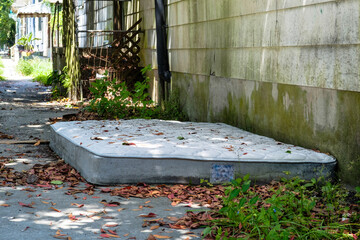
point(196, 89)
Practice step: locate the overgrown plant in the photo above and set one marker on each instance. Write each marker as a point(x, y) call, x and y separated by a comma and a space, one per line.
point(60, 83)
point(140, 97)
point(291, 210)
point(38, 68)
point(171, 110)
point(110, 98)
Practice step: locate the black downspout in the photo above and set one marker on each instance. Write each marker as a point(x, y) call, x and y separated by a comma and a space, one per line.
point(161, 47)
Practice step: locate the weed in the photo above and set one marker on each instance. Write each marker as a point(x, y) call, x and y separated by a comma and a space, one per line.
point(112, 99)
point(171, 109)
point(60, 83)
point(357, 189)
point(206, 183)
point(292, 209)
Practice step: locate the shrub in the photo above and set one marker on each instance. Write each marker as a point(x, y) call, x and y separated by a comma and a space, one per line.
point(38, 68)
point(25, 67)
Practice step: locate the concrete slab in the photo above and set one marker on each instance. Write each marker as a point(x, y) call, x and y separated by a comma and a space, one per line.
point(41, 222)
point(158, 151)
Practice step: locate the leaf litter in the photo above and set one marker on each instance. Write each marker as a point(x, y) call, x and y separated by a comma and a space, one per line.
point(204, 196)
point(50, 176)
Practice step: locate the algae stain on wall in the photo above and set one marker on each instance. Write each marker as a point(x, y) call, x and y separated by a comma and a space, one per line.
point(323, 119)
point(348, 135)
point(194, 94)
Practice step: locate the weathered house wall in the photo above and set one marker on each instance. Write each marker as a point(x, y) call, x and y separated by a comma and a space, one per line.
point(280, 68)
point(94, 15)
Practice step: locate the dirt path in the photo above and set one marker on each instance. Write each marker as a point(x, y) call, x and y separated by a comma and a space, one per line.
point(24, 115)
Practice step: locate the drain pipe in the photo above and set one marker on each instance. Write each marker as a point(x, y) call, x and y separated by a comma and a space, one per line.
point(162, 51)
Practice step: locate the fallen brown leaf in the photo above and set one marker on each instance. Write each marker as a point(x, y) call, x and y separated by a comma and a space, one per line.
point(26, 205)
point(105, 190)
point(106, 235)
point(174, 219)
point(60, 237)
point(112, 232)
point(111, 225)
point(151, 237)
point(72, 217)
point(56, 210)
point(78, 205)
point(175, 226)
point(150, 215)
point(162, 237)
point(159, 134)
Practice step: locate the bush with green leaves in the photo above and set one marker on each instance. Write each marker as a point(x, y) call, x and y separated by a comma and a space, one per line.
point(112, 99)
point(25, 67)
point(38, 68)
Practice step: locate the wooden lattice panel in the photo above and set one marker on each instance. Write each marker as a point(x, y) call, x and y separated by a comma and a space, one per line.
point(120, 58)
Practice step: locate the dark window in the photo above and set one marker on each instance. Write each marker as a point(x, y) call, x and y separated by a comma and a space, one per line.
point(40, 23)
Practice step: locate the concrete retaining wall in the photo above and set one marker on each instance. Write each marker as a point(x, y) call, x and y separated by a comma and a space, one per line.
point(284, 69)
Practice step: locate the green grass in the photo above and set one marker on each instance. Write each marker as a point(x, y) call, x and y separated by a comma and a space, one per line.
point(38, 68)
point(290, 209)
point(1, 70)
